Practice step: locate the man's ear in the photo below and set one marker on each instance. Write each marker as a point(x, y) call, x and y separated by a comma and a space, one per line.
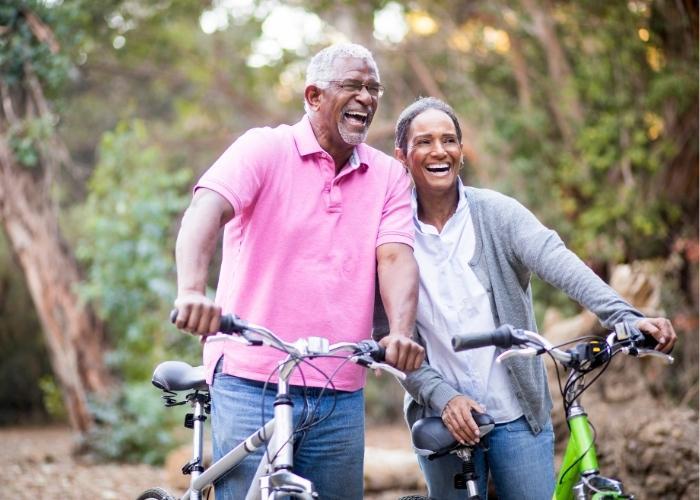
point(312, 96)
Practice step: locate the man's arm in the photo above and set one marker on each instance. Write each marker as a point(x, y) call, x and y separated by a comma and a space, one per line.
point(398, 284)
point(196, 242)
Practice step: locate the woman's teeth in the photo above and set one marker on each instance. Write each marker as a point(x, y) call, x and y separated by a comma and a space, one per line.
point(438, 168)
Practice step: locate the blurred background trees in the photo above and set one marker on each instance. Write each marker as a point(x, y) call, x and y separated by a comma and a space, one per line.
point(586, 111)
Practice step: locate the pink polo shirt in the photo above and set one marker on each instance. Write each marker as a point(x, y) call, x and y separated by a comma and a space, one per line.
point(299, 257)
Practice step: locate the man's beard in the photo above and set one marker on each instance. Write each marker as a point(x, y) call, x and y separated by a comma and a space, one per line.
point(353, 138)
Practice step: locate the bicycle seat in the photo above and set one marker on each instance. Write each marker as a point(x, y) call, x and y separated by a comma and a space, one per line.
point(179, 376)
point(431, 436)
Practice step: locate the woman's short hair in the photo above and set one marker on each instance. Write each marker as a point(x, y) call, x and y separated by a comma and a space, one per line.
point(403, 124)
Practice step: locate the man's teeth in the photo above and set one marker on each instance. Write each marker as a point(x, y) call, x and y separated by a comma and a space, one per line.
point(439, 167)
point(361, 117)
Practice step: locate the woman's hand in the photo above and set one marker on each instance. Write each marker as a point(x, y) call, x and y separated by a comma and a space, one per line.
point(457, 416)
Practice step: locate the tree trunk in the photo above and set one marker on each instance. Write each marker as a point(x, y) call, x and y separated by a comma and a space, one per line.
point(29, 217)
point(563, 97)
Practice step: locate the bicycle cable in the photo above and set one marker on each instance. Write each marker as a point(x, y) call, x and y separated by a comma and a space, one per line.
point(309, 421)
point(585, 387)
point(595, 436)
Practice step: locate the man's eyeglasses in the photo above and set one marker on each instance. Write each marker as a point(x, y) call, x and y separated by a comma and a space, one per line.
point(355, 86)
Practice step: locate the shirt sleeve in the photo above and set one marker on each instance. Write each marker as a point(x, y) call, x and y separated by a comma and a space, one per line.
point(396, 225)
point(542, 251)
point(239, 172)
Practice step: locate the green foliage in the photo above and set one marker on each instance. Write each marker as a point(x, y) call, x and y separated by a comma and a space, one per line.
point(25, 139)
point(603, 190)
point(168, 96)
point(133, 426)
point(125, 242)
point(124, 239)
point(26, 46)
point(52, 398)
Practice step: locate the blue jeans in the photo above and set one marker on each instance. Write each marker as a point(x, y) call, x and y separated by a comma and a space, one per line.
point(329, 454)
point(521, 465)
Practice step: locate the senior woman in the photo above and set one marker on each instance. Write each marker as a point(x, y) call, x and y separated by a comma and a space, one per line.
point(476, 250)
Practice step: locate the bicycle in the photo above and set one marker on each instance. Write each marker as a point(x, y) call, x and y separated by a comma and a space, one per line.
point(274, 477)
point(579, 477)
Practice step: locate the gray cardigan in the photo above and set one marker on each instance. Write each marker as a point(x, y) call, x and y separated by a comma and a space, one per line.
point(510, 245)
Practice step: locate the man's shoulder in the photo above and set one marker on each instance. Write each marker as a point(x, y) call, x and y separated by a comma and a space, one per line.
point(263, 142)
point(268, 132)
point(374, 158)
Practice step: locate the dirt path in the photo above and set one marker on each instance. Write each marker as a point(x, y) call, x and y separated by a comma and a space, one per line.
point(35, 463)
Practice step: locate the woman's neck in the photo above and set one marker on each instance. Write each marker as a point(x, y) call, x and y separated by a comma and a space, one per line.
point(437, 208)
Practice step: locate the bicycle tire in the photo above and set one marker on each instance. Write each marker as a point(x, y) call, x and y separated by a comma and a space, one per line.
point(155, 494)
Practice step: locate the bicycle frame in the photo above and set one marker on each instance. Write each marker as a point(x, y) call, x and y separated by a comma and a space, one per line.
point(274, 477)
point(579, 468)
point(279, 431)
point(580, 443)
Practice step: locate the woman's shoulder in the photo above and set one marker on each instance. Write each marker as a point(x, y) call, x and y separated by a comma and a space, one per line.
point(489, 197)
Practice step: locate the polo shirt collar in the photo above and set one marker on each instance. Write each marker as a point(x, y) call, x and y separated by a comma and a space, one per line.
point(307, 144)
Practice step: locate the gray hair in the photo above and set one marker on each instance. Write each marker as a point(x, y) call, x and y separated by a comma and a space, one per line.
point(321, 70)
point(403, 124)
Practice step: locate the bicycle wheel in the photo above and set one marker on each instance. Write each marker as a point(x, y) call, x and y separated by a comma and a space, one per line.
point(155, 494)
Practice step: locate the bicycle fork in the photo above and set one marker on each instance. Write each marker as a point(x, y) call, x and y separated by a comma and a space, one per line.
point(280, 478)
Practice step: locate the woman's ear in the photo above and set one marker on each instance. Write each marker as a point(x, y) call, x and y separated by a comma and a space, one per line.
point(398, 154)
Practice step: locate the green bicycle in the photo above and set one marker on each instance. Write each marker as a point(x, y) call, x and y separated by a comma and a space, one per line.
point(579, 477)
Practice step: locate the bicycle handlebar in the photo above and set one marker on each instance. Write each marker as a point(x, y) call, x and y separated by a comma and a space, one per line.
point(625, 338)
point(367, 353)
point(503, 336)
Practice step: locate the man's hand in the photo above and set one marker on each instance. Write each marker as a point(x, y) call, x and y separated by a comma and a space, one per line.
point(457, 416)
point(662, 330)
point(402, 352)
point(197, 314)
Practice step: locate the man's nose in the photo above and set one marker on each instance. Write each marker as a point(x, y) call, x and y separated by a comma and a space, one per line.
point(364, 96)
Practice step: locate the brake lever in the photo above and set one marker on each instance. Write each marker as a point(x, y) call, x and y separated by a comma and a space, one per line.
point(641, 352)
point(368, 362)
point(525, 352)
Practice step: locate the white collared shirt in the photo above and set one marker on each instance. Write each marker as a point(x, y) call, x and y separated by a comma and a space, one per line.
point(452, 300)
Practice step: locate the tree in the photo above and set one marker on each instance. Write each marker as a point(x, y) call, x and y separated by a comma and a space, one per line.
point(30, 158)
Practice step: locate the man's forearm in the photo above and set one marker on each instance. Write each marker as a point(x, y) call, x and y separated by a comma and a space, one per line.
point(193, 253)
point(196, 241)
point(398, 283)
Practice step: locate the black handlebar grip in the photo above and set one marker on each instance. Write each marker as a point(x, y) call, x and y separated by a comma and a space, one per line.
point(641, 339)
point(379, 355)
point(230, 323)
point(374, 350)
point(501, 337)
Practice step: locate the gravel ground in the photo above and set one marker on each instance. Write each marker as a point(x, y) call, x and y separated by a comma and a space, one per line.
point(36, 463)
